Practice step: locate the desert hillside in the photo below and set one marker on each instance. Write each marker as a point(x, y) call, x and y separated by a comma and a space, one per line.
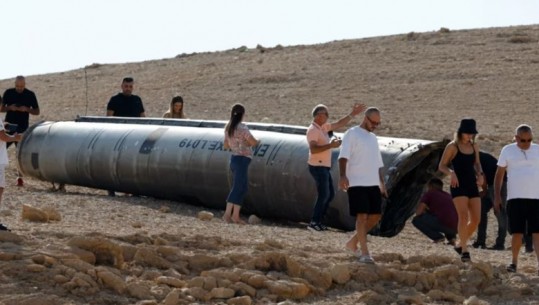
point(84, 247)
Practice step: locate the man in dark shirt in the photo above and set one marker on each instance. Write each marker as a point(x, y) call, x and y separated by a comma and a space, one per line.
point(489, 164)
point(18, 103)
point(436, 215)
point(125, 103)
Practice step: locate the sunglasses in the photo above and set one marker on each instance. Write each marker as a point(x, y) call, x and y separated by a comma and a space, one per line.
point(525, 140)
point(374, 123)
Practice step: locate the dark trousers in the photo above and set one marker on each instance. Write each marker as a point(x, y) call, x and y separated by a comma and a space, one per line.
point(429, 225)
point(487, 203)
point(326, 192)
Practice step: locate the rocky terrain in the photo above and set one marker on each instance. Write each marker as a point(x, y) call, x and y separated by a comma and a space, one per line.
point(83, 247)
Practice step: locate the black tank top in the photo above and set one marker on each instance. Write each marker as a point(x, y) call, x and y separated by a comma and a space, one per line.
point(463, 165)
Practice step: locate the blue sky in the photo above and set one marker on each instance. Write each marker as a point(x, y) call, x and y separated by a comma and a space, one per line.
point(41, 37)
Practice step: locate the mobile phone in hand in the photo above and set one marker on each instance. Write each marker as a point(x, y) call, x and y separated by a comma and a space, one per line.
point(11, 128)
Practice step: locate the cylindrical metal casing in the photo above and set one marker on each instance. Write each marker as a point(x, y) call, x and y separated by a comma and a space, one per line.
point(184, 160)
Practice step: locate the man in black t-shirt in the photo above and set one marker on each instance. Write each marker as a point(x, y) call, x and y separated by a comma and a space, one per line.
point(489, 164)
point(125, 103)
point(18, 103)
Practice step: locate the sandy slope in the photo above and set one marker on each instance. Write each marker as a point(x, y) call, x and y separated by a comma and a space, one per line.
point(424, 83)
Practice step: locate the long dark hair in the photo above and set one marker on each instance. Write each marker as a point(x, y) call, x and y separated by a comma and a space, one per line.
point(236, 115)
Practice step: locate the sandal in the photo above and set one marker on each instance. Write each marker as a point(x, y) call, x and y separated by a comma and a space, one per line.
point(512, 268)
point(465, 257)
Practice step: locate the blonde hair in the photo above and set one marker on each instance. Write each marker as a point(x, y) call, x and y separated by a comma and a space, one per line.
point(170, 112)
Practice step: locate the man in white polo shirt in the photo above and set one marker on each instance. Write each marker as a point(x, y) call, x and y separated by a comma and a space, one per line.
point(319, 162)
point(521, 161)
point(360, 166)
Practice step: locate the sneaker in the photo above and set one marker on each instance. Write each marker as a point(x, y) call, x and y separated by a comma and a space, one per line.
point(111, 193)
point(4, 228)
point(497, 247)
point(477, 244)
point(366, 259)
point(438, 241)
point(314, 227)
point(323, 226)
point(20, 182)
point(465, 257)
point(512, 268)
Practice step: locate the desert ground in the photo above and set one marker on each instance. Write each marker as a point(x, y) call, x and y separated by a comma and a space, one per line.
point(83, 247)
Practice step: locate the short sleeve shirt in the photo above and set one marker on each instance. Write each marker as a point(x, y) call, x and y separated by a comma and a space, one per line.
point(238, 142)
point(25, 98)
point(126, 105)
point(522, 171)
point(361, 149)
point(319, 134)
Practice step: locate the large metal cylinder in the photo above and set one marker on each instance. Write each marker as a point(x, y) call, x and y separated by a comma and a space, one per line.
point(184, 160)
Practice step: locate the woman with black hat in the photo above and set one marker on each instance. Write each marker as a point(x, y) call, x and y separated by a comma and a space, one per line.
point(460, 160)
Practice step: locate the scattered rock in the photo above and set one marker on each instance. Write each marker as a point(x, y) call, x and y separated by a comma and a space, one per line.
point(340, 273)
point(254, 220)
point(205, 216)
point(244, 300)
point(31, 213)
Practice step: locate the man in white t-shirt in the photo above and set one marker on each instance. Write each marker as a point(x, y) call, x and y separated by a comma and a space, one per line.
point(4, 138)
point(360, 166)
point(320, 146)
point(521, 161)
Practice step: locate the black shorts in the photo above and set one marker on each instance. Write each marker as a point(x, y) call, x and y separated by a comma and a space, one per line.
point(364, 200)
point(470, 191)
point(523, 215)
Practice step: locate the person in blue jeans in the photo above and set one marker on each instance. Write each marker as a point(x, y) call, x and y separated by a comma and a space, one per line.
point(320, 146)
point(240, 141)
point(436, 215)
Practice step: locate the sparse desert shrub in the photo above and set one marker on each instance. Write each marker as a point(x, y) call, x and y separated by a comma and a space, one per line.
point(444, 30)
point(412, 36)
point(520, 38)
point(93, 66)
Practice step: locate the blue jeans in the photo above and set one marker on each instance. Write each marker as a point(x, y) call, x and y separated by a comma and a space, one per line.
point(239, 165)
point(429, 225)
point(326, 192)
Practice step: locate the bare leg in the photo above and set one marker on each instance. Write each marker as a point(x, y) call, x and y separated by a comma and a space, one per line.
point(351, 244)
point(227, 217)
point(461, 205)
point(236, 215)
point(474, 212)
point(370, 222)
point(516, 243)
point(361, 229)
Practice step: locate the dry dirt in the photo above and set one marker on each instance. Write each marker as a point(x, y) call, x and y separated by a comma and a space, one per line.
point(423, 82)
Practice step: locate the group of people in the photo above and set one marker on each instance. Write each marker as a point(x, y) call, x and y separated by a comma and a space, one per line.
point(19, 103)
point(478, 182)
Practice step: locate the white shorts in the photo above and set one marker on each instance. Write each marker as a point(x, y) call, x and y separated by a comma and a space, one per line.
point(2, 176)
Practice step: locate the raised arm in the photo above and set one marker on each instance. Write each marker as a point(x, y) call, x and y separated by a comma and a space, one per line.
point(356, 109)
